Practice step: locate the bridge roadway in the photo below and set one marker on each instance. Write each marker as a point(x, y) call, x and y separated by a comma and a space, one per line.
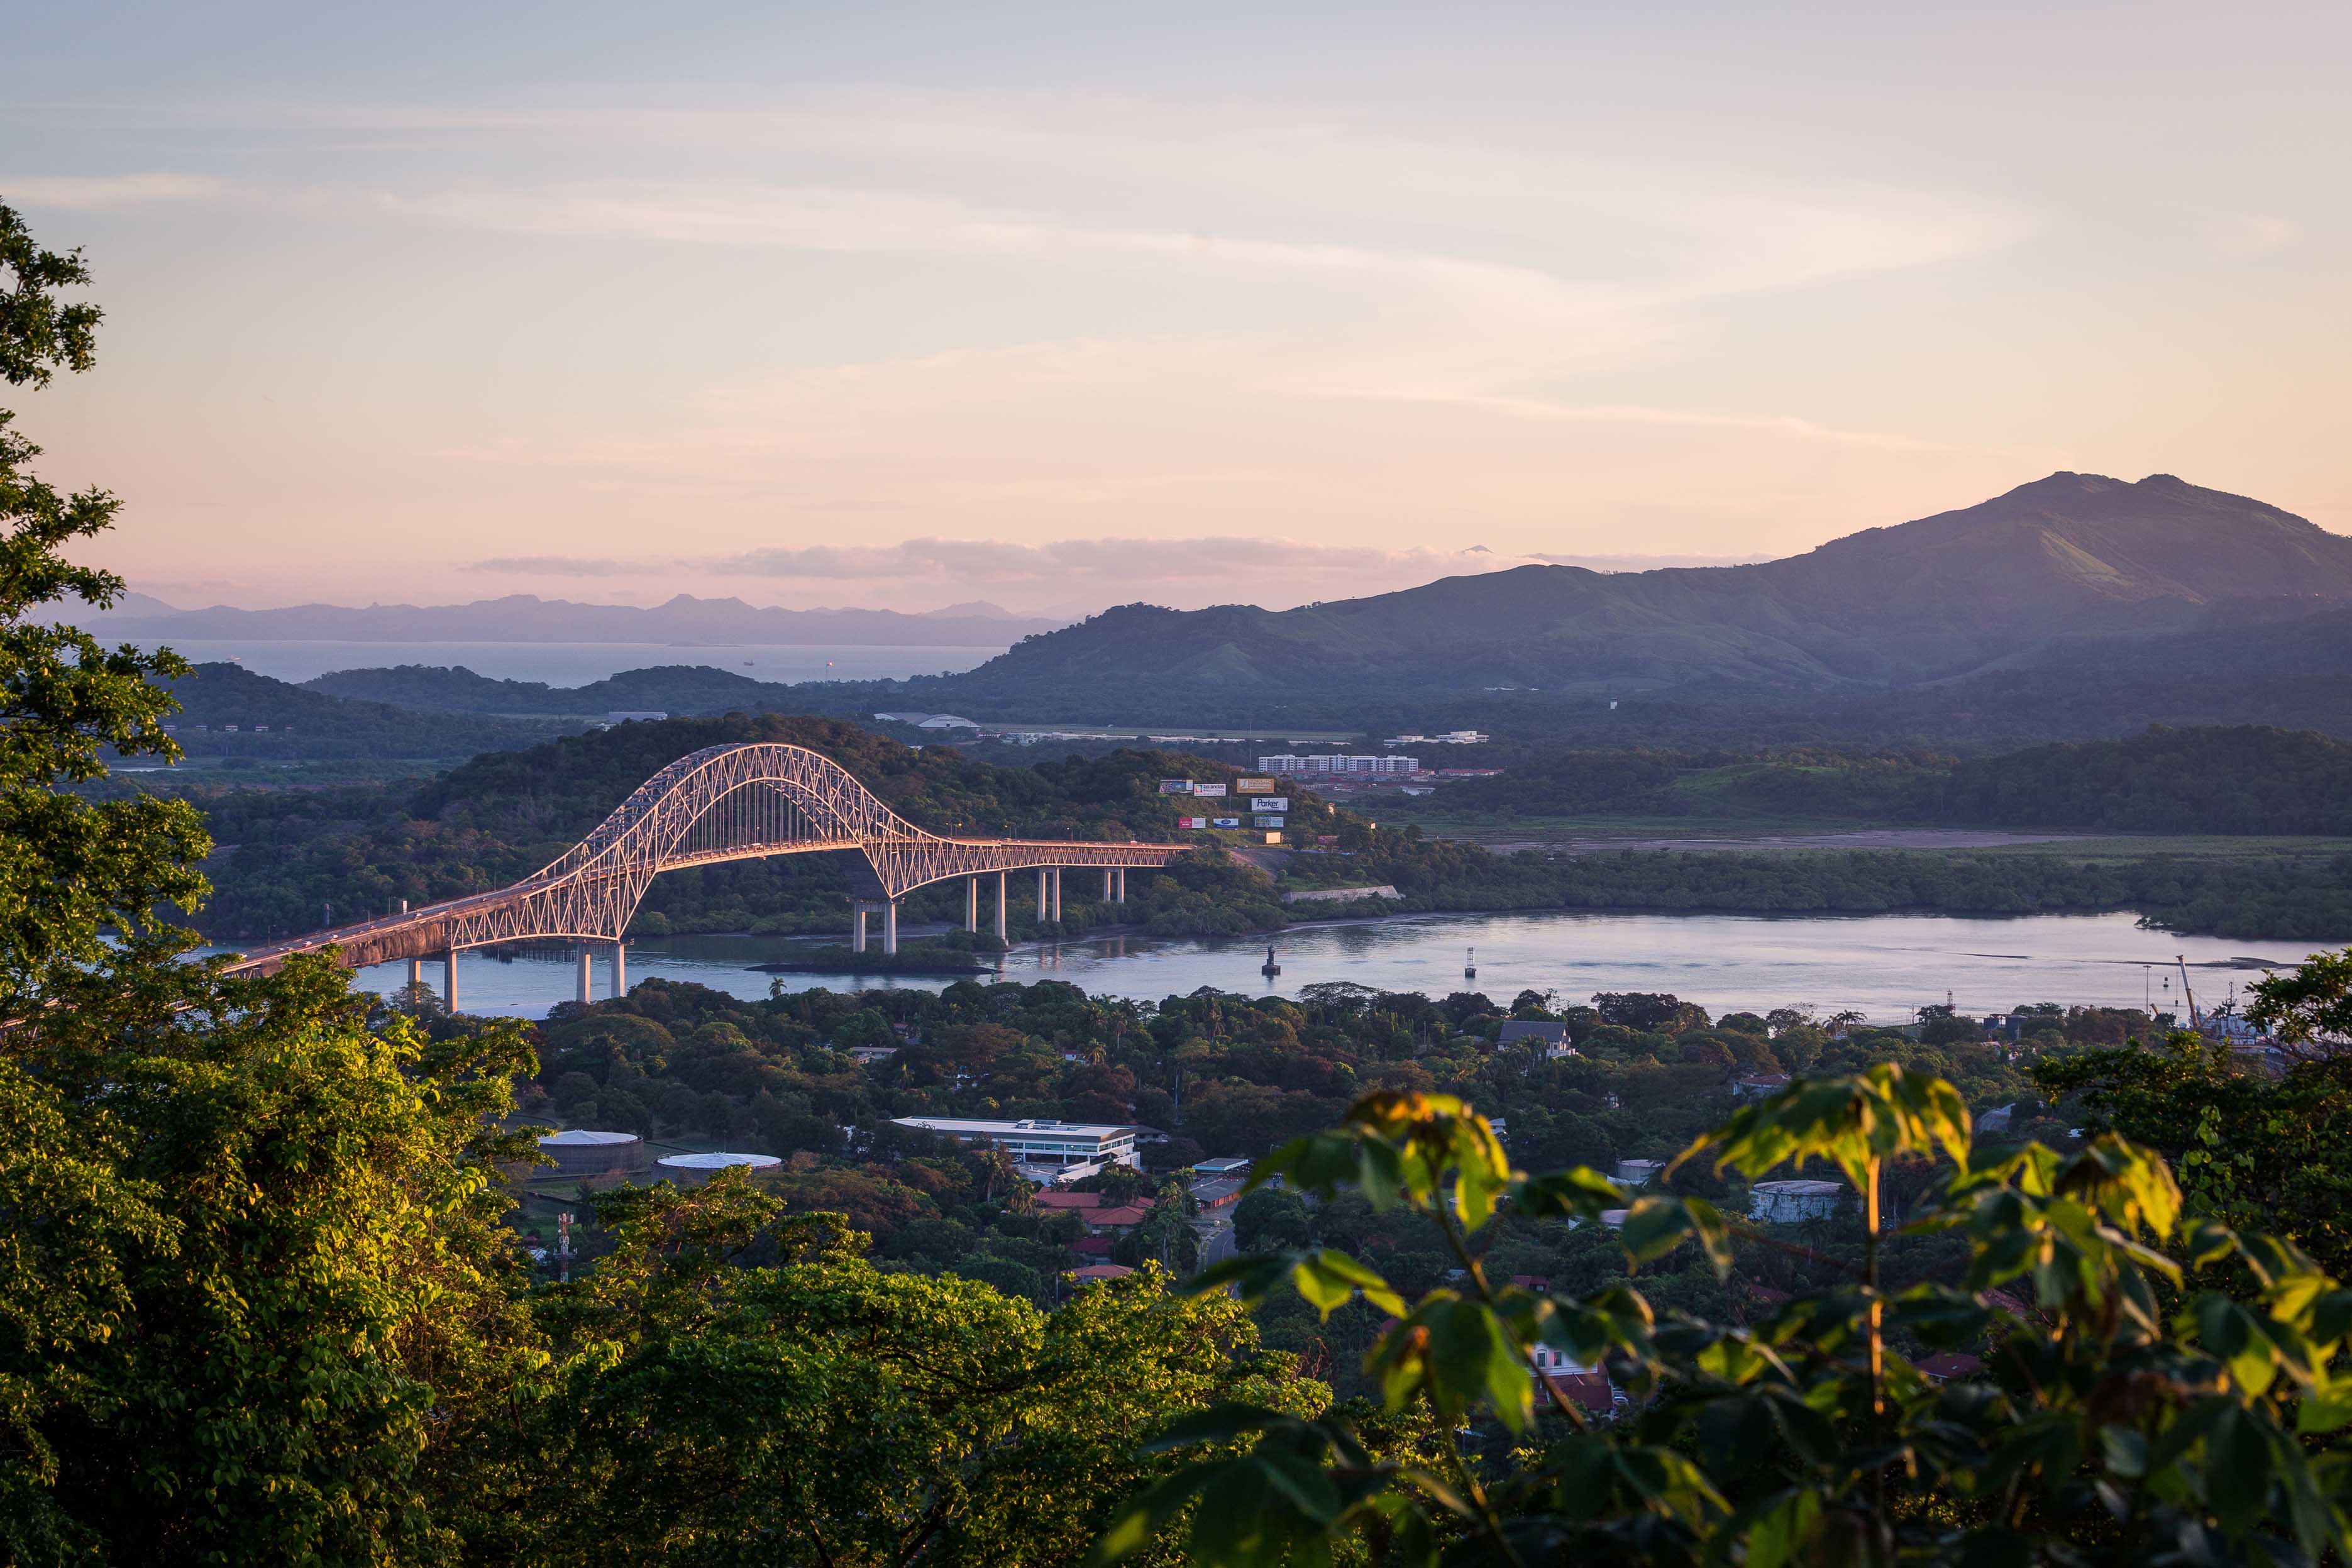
point(718, 804)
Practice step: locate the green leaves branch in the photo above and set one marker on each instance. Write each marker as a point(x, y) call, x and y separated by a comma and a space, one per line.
point(2212, 1431)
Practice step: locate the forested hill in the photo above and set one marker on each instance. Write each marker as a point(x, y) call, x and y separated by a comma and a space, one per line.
point(273, 719)
point(2047, 564)
point(501, 816)
point(669, 689)
point(2245, 779)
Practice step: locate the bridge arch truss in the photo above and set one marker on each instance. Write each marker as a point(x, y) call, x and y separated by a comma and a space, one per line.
point(718, 804)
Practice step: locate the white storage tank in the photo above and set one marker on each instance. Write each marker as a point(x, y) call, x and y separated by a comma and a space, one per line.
point(579, 1152)
point(693, 1170)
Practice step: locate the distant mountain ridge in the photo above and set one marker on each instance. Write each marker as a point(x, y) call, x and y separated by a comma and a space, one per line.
point(526, 617)
point(2047, 566)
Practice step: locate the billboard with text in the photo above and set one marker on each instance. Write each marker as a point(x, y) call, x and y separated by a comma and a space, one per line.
point(1175, 786)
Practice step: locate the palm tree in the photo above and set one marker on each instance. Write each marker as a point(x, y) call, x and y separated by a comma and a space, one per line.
point(995, 1168)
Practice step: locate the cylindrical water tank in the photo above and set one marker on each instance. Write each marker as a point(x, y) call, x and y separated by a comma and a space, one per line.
point(578, 1151)
point(693, 1170)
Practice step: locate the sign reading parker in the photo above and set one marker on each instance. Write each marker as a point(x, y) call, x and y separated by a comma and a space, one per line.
point(1270, 803)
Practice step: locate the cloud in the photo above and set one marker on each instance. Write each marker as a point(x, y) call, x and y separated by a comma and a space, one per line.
point(95, 193)
point(557, 566)
point(1095, 560)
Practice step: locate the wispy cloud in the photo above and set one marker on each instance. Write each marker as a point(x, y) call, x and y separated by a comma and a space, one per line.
point(100, 192)
point(557, 566)
point(1130, 561)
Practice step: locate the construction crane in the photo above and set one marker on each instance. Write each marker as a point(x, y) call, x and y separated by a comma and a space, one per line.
point(2195, 1022)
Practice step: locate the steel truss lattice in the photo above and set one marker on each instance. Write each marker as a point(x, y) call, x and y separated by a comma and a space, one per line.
point(720, 804)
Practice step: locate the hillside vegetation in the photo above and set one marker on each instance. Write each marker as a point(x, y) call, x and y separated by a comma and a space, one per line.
point(318, 725)
point(2244, 779)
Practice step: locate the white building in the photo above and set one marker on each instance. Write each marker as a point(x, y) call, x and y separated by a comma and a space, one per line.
point(1792, 1202)
point(1057, 1144)
point(1337, 767)
point(1444, 738)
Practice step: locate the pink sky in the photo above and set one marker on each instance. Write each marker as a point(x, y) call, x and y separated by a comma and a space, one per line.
point(1076, 308)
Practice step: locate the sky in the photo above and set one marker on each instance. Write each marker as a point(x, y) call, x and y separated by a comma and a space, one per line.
point(1066, 306)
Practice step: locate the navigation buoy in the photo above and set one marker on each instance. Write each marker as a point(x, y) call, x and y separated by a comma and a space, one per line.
point(1470, 964)
point(1271, 968)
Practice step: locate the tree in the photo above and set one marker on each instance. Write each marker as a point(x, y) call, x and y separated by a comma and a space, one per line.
point(252, 1268)
point(1271, 1216)
point(2310, 1008)
point(72, 869)
point(2103, 1429)
point(816, 1410)
point(2249, 1149)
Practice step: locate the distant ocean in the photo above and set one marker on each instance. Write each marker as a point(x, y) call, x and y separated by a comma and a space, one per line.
point(579, 663)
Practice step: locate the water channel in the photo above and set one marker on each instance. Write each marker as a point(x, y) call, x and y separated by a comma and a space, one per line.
point(1886, 966)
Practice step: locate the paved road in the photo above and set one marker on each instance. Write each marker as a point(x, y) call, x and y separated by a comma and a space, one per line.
point(1217, 1245)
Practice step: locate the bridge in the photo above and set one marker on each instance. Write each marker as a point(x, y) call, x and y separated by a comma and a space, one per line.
point(720, 804)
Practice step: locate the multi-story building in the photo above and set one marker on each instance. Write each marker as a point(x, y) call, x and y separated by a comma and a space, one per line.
point(1337, 767)
point(1048, 1143)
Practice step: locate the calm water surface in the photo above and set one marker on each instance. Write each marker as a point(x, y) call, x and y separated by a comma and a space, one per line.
point(1885, 965)
point(578, 663)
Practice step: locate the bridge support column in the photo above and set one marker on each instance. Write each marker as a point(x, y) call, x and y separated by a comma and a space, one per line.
point(450, 979)
point(620, 967)
point(1000, 906)
point(858, 930)
point(1045, 909)
point(415, 973)
point(584, 974)
point(890, 926)
point(971, 905)
point(1122, 884)
point(1057, 894)
point(1107, 880)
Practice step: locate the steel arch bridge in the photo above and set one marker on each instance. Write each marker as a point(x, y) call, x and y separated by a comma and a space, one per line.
point(720, 804)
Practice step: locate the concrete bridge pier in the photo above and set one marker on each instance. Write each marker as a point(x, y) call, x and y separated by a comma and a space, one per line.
point(1057, 894)
point(450, 979)
point(1107, 874)
point(584, 974)
point(620, 967)
point(1121, 895)
point(890, 926)
point(857, 928)
point(1000, 906)
point(971, 905)
point(1044, 907)
point(415, 973)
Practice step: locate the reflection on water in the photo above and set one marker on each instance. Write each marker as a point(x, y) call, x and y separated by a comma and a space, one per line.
point(1887, 966)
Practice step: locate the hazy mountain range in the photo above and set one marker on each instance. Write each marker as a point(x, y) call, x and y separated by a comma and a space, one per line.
point(525, 617)
point(2075, 568)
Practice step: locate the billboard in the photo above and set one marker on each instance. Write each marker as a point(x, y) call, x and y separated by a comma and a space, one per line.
point(1191, 822)
point(1175, 786)
point(1252, 786)
point(1274, 838)
point(1270, 803)
point(1225, 821)
point(1209, 789)
point(1268, 821)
